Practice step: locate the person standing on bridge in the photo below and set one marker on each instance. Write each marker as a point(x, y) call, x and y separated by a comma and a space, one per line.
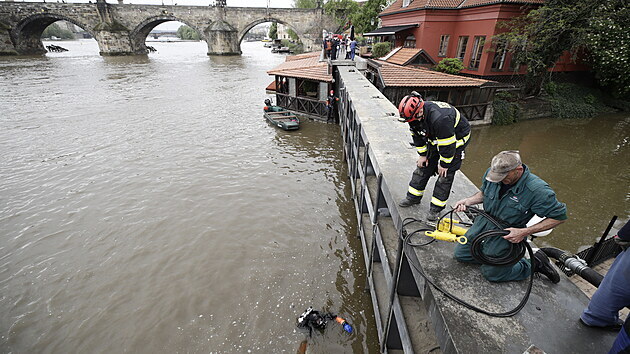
point(511, 194)
point(440, 134)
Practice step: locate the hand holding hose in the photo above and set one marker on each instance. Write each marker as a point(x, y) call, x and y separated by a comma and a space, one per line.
point(516, 235)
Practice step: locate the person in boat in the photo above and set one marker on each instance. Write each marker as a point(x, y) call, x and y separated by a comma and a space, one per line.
point(440, 134)
point(331, 106)
point(512, 195)
point(613, 293)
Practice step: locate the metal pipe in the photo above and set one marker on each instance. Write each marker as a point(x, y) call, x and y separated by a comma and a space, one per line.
point(575, 264)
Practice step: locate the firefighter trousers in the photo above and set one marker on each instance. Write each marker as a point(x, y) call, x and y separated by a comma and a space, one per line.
point(442, 188)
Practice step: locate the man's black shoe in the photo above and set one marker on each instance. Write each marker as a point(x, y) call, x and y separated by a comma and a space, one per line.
point(408, 202)
point(612, 328)
point(542, 265)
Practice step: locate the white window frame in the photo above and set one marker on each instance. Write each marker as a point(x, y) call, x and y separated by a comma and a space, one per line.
point(443, 45)
point(475, 58)
point(463, 42)
point(406, 3)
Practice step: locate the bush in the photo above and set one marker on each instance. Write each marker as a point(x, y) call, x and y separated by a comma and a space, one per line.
point(574, 101)
point(450, 66)
point(506, 110)
point(296, 48)
point(381, 49)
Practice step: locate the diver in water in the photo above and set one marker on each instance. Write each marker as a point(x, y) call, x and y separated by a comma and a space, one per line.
point(314, 319)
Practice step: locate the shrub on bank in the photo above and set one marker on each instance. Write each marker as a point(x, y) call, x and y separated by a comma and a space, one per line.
point(450, 66)
point(575, 101)
point(295, 47)
point(506, 110)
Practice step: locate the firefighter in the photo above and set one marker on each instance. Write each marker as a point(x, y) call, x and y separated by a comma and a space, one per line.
point(331, 115)
point(440, 134)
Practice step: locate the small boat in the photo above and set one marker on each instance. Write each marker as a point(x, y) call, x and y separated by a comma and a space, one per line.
point(280, 117)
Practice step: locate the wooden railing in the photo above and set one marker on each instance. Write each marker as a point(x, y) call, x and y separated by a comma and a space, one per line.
point(301, 104)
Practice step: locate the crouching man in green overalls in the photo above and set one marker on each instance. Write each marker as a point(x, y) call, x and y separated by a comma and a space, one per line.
point(512, 194)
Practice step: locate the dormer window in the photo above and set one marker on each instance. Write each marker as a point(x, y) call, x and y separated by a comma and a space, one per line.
point(406, 3)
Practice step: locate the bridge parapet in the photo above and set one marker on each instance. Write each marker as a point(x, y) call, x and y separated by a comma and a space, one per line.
point(121, 29)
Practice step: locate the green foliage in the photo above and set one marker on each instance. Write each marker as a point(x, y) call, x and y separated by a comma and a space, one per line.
point(292, 34)
point(450, 66)
point(596, 28)
point(186, 32)
point(341, 10)
point(574, 101)
point(56, 31)
point(348, 12)
point(366, 18)
point(381, 49)
point(304, 4)
point(296, 48)
point(273, 30)
point(506, 110)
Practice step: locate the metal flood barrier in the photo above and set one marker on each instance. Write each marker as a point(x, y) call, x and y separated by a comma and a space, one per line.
point(378, 228)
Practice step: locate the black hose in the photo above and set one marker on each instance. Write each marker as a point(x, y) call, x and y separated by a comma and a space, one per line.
point(492, 233)
point(576, 266)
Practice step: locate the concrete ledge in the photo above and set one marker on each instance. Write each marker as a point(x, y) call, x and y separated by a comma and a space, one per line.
point(549, 320)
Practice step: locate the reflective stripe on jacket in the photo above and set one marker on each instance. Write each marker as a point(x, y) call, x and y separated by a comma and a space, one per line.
point(442, 127)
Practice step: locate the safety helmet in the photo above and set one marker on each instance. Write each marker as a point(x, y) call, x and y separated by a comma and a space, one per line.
point(410, 106)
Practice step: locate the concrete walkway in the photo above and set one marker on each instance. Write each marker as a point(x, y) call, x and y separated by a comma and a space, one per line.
point(549, 320)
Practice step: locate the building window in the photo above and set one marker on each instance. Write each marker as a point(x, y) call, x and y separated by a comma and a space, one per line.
point(406, 3)
point(477, 51)
point(499, 57)
point(410, 42)
point(461, 47)
point(443, 45)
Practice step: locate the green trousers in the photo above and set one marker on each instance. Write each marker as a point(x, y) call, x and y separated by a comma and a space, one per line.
point(496, 246)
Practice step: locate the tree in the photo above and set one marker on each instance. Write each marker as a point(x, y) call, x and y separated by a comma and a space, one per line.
point(305, 4)
point(273, 31)
point(595, 28)
point(366, 19)
point(187, 33)
point(56, 31)
point(341, 10)
point(292, 34)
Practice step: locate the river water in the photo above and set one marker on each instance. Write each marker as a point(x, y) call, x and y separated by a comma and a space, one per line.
point(148, 207)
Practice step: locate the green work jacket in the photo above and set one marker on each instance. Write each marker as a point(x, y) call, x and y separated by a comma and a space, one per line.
point(530, 195)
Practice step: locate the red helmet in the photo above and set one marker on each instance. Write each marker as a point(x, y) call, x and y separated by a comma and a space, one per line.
point(410, 106)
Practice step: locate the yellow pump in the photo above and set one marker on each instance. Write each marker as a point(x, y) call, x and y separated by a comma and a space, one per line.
point(449, 225)
point(446, 236)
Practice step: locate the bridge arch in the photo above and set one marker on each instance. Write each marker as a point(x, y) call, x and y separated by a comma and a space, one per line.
point(26, 35)
point(253, 24)
point(140, 33)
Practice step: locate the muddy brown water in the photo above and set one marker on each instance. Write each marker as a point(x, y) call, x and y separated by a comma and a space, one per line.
point(148, 207)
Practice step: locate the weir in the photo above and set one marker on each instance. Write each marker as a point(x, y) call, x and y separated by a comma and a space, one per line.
point(413, 316)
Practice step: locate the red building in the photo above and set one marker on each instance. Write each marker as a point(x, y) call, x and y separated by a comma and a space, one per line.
point(459, 29)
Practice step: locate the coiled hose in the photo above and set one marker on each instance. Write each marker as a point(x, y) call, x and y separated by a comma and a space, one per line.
point(515, 254)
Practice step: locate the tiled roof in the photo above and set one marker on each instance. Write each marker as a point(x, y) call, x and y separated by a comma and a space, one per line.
point(402, 55)
point(308, 67)
point(449, 4)
point(396, 75)
point(302, 56)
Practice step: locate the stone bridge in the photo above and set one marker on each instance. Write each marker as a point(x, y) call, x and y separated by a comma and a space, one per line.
point(121, 29)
